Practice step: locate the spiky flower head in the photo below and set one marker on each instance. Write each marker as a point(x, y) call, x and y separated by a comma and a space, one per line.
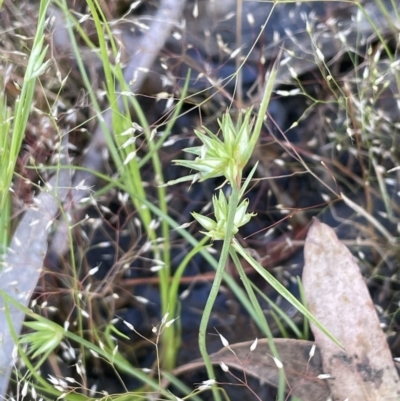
point(216, 228)
point(226, 157)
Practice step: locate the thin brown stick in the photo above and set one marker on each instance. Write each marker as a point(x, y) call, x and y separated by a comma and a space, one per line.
point(23, 262)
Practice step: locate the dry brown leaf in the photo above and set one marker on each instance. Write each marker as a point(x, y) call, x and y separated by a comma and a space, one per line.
point(338, 297)
point(301, 371)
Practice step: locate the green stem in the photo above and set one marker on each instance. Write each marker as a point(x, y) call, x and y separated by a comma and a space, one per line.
point(233, 204)
point(261, 320)
point(274, 283)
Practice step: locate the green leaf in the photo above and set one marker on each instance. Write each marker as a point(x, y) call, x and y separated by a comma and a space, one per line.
point(282, 290)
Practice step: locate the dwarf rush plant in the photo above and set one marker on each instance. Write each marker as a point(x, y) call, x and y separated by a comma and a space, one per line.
point(227, 158)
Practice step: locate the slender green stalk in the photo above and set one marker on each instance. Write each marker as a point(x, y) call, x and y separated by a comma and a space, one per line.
point(261, 115)
point(261, 320)
point(174, 296)
point(169, 345)
point(130, 171)
point(223, 259)
point(282, 290)
point(5, 220)
point(279, 315)
point(35, 68)
point(6, 157)
point(306, 324)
